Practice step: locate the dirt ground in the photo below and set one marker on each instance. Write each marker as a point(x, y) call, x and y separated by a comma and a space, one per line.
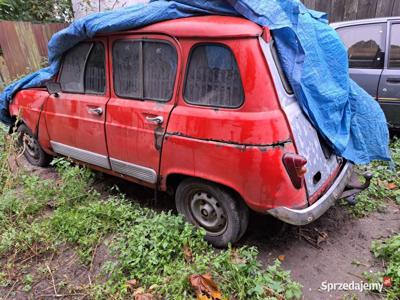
point(325, 250)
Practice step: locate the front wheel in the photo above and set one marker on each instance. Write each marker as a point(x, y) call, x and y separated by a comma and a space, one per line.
point(33, 152)
point(213, 208)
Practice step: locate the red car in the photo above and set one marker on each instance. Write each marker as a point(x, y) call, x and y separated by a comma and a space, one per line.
point(198, 107)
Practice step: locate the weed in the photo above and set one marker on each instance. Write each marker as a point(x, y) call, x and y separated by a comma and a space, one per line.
point(385, 185)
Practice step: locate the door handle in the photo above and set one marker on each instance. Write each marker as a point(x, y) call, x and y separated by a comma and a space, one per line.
point(95, 111)
point(157, 120)
point(393, 80)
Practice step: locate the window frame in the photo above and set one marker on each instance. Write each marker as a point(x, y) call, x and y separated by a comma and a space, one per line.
point(192, 49)
point(389, 43)
point(385, 43)
point(141, 40)
point(92, 42)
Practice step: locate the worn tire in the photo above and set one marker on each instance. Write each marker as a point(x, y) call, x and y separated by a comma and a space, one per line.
point(193, 198)
point(33, 152)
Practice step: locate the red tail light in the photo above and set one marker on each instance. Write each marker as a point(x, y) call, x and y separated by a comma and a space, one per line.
point(296, 168)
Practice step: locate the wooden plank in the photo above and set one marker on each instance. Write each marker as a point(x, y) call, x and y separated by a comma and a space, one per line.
point(396, 8)
point(309, 3)
point(323, 5)
point(337, 10)
point(350, 10)
point(384, 8)
point(366, 9)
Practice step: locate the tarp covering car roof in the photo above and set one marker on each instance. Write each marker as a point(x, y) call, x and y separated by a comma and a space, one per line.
point(311, 53)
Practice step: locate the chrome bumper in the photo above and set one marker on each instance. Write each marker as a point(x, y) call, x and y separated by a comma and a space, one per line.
point(313, 212)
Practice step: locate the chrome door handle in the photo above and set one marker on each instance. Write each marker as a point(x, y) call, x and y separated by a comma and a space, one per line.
point(95, 111)
point(158, 120)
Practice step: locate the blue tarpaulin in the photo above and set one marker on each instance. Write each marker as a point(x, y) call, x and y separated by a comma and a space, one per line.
point(312, 55)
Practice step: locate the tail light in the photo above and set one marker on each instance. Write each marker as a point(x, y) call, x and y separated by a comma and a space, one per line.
point(296, 168)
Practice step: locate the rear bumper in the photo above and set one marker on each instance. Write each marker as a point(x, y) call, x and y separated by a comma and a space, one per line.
point(313, 212)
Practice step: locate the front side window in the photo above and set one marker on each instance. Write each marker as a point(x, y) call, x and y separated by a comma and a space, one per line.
point(394, 55)
point(365, 45)
point(83, 69)
point(144, 69)
point(213, 77)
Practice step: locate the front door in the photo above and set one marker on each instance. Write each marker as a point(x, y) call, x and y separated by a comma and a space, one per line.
point(143, 91)
point(75, 117)
point(389, 86)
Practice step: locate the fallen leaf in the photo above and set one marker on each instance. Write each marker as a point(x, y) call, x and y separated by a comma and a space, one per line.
point(133, 283)
point(281, 257)
point(236, 258)
point(391, 186)
point(205, 287)
point(188, 254)
point(146, 296)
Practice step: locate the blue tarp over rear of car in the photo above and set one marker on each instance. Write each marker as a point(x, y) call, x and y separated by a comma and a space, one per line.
point(312, 56)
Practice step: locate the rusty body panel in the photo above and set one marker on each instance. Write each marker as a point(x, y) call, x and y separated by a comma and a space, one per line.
point(25, 44)
point(152, 141)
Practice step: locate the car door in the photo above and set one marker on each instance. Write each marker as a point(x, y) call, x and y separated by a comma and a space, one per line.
point(365, 45)
point(389, 86)
point(75, 117)
point(145, 70)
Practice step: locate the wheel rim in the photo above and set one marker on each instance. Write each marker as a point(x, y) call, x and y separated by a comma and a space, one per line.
point(31, 146)
point(208, 213)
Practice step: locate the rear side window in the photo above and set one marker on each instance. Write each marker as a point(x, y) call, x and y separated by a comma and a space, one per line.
point(144, 69)
point(365, 45)
point(394, 55)
point(213, 77)
point(84, 70)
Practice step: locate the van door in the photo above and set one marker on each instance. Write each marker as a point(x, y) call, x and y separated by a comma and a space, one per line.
point(144, 84)
point(75, 117)
point(389, 86)
point(365, 45)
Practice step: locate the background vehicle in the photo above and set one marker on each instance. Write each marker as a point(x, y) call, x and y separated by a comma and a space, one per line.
point(374, 60)
point(197, 106)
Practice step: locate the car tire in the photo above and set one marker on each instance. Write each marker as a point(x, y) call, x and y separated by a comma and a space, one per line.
point(33, 152)
point(213, 208)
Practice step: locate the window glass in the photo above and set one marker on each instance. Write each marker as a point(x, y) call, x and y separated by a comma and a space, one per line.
point(365, 45)
point(213, 77)
point(144, 69)
point(71, 78)
point(95, 74)
point(126, 66)
point(160, 63)
point(394, 61)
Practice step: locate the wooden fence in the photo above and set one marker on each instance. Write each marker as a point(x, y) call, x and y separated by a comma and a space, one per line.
point(23, 46)
point(344, 10)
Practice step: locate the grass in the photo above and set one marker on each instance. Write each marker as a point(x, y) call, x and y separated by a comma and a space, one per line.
point(158, 250)
point(385, 185)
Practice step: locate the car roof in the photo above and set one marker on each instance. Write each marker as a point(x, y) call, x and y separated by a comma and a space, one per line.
point(364, 21)
point(204, 27)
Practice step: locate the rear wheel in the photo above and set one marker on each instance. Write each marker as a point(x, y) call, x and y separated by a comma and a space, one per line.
point(33, 152)
point(213, 208)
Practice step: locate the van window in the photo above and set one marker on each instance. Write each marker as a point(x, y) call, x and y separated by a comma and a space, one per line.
point(144, 70)
point(365, 45)
point(83, 69)
point(73, 69)
point(394, 61)
point(95, 73)
point(213, 77)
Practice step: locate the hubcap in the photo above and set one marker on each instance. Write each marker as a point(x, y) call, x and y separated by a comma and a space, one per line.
point(31, 146)
point(208, 213)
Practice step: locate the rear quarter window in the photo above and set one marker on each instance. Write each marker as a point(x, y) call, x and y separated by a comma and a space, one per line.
point(213, 77)
point(365, 45)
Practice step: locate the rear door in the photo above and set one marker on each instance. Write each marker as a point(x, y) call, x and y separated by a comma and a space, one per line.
point(144, 71)
point(389, 86)
point(366, 45)
point(76, 117)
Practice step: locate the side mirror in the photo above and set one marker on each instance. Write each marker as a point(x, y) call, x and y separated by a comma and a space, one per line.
point(54, 88)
